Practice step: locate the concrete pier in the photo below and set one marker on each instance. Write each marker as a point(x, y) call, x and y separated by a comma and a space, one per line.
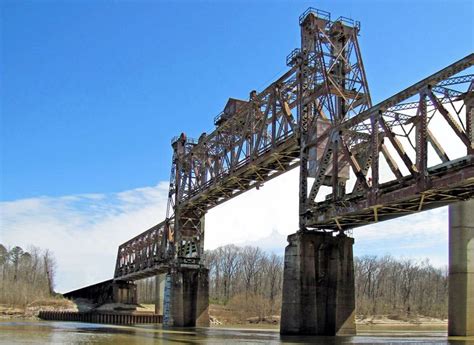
point(318, 285)
point(461, 269)
point(187, 291)
point(159, 293)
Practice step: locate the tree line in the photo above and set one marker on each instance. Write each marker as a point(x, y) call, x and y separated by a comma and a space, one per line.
point(385, 285)
point(249, 281)
point(247, 278)
point(26, 276)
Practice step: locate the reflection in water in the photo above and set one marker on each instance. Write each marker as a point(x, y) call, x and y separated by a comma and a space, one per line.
point(48, 332)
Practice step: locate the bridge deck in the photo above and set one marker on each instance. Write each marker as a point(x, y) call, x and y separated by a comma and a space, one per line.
point(446, 183)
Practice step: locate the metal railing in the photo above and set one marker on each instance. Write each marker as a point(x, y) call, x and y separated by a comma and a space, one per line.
point(318, 13)
point(291, 58)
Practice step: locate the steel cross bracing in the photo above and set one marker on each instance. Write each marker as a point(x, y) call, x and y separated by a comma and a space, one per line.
point(318, 116)
point(398, 150)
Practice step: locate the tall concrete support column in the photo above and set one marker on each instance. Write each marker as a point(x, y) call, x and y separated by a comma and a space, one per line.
point(124, 292)
point(318, 285)
point(461, 269)
point(187, 298)
point(159, 293)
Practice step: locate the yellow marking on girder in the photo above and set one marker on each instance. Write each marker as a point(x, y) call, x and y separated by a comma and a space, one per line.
point(337, 223)
point(422, 199)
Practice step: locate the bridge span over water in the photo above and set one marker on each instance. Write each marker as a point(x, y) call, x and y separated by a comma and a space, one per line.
point(358, 164)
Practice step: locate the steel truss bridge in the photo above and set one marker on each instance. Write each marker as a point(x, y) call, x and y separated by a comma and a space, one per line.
point(359, 163)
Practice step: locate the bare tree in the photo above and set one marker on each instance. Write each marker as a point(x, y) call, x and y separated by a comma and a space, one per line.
point(250, 263)
point(230, 262)
point(274, 273)
point(15, 255)
point(49, 269)
point(403, 288)
point(26, 275)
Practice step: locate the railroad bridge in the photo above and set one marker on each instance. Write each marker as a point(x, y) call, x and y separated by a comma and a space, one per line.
point(358, 164)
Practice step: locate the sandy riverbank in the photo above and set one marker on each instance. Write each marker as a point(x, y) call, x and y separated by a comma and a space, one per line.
point(224, 316)
point(221, 316)
point(31, 311)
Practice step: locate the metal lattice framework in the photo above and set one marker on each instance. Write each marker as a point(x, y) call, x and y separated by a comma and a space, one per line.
point(143, 255)
point(359, 163)
point(406, 132)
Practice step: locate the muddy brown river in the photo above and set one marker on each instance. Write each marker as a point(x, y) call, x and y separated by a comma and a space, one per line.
point(51, 332)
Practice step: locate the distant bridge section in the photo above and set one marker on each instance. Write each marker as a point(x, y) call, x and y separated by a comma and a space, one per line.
point(144, 255)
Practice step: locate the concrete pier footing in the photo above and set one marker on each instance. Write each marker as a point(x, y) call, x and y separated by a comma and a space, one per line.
point(187, 291)
point(318, 285)
point(461, 269)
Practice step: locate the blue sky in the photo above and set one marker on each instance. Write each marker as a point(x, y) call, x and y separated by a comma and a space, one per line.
point(92, 92)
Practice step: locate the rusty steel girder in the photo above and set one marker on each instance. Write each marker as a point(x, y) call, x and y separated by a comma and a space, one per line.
point(358, 163)
point(419, 174)
point(144, 255)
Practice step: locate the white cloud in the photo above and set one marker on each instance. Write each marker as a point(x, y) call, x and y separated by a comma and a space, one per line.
point(256, 214)
point(418, 236)
point(84, 231)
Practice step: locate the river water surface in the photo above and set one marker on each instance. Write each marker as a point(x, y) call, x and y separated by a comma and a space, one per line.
point(51, 332)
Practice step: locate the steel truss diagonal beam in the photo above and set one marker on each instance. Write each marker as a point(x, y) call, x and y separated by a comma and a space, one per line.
point(438, 119)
